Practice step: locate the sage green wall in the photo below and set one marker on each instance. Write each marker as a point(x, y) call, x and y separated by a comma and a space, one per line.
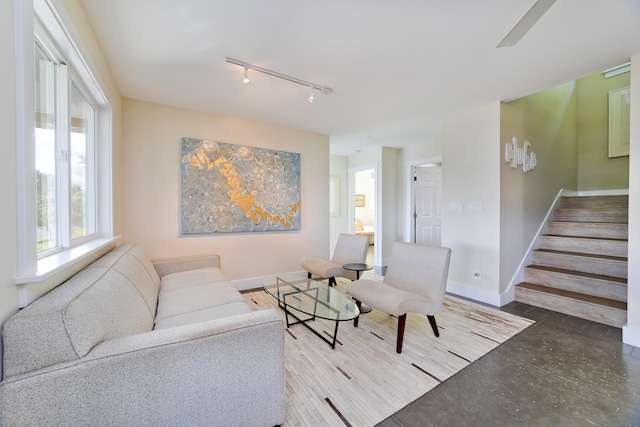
point(596, 171)
point(548, 121)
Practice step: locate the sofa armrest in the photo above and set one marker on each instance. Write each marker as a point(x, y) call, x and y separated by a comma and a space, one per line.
point(222, 372)
point(175, 265)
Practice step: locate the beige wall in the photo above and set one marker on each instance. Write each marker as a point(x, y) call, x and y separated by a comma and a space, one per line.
point(631, 332)
point(548, 121)
point(8, 261)
point(388, 201)
point(151, 194)
point(596, 171)
point(471, 173)
point(339, 224)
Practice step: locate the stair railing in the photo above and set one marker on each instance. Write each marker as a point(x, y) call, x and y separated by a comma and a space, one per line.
point(518, 275)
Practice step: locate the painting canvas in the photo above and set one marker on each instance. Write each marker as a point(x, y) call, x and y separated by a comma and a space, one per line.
point(229, 188)
point(619, 122)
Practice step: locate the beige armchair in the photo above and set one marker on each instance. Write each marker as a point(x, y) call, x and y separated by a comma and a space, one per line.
point(349, 249)
point(415, 281)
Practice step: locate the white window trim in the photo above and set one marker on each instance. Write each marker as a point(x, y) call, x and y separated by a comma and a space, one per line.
point(38, 276)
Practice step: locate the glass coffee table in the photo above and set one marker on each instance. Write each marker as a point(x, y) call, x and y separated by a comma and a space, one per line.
point(296, 294)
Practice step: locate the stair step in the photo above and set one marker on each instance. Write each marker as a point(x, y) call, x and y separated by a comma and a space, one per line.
point(617, 201)
point(594, 264)
point(606, 230)
point(601, 310)
point(597, 285)
point(616, 215)
point(596, 246)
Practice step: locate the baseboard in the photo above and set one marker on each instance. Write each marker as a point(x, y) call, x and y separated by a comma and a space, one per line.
point(620, 192)
point(256, 282)
point(481, 295)
point(631, 336)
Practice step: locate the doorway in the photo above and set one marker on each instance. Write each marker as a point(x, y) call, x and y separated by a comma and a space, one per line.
point(426, 204)
point(364, 208)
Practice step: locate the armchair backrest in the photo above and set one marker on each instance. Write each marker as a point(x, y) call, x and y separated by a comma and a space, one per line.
point(350, 249)
point(420, 269)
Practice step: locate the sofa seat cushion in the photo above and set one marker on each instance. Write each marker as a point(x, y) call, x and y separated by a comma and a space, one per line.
point(195, 292)
point(185, 279)
point(211, 313)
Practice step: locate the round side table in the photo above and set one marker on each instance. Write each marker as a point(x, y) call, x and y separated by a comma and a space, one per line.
point(358, 268)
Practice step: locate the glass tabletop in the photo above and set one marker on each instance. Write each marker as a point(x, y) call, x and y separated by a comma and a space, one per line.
point(311, 297)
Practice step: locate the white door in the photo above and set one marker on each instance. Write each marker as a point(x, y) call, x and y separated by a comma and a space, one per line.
point(427, 214)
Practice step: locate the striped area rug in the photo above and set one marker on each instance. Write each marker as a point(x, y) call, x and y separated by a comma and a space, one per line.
point(364, 381)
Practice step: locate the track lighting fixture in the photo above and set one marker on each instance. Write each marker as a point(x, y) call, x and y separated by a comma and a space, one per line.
point(315, 88)
point(246, 78)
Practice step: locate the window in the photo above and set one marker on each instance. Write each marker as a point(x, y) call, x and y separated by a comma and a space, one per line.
point(65, 217)
point(65, 136)
point(45, 140)
point(82, 157)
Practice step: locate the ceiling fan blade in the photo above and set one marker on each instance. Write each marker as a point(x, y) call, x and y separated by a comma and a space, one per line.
point(525, 23)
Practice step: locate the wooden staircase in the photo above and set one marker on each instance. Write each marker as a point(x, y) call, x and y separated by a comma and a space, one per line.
point(581, 266)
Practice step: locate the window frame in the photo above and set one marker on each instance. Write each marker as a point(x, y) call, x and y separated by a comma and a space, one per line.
point(37, 274)
point(92, 152)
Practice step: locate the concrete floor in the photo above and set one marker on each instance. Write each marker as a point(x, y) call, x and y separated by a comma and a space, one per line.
point(561, 371)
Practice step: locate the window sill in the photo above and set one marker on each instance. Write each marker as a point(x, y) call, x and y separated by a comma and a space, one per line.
point(58, 267)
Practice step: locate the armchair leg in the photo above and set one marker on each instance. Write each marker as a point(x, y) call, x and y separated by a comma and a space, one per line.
point(309, 275)
point(355, 321)
point(401, 322)
point(332, 281)
point(434, 326)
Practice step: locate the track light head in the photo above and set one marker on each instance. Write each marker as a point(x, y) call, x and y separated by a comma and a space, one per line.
point(314, 87)
point(246, 78)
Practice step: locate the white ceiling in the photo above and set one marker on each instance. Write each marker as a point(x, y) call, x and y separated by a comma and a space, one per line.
point(397, 68)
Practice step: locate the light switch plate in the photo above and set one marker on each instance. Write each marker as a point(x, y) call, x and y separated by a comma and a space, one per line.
point(455, 207)
point(474, 206)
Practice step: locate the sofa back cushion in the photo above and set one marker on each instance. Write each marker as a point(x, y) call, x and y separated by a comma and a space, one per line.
point(113, 297)
point(138, 269)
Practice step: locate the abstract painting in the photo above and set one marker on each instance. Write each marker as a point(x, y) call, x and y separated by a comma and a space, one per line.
point(229, 188)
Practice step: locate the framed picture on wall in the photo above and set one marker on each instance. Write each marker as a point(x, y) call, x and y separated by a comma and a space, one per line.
point(619, 121)
point(359, 200)
point(228, 188)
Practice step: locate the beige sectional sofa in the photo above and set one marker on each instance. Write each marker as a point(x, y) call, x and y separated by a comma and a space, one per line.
point(127, 341)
